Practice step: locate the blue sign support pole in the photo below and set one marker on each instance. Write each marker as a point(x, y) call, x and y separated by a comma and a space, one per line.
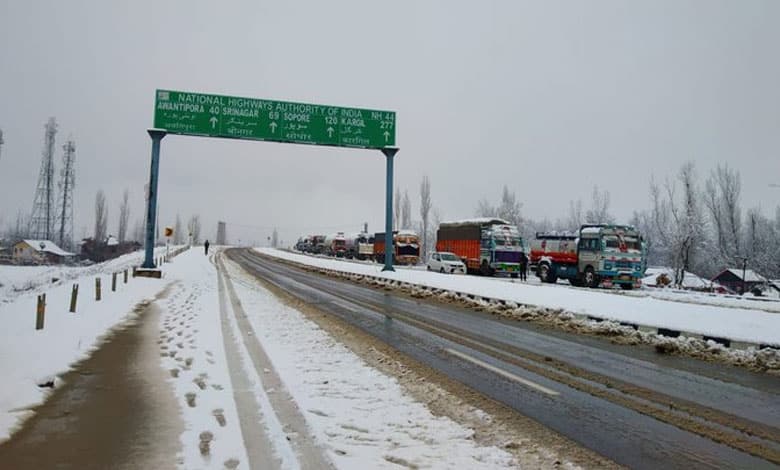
point(389, 154)
point(151, 210)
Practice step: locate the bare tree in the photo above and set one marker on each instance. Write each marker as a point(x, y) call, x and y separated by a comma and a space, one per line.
point(124, 216)
point(721, 198)
point(576, 217)
point(485, 209)
point(397, 208)
point(599, 210)
point(178, 236)
point(425, 210)
point(510, 208)
point(138, 231)
point(406, 212)
point(194, 228)
point(101, 217)
point(677, 220)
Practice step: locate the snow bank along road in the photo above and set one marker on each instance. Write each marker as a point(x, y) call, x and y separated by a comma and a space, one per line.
point(753, 326)
point(207, 369)
point(636, 408)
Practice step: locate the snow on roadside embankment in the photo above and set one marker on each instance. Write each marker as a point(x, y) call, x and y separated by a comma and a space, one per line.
point(16, 281)
point(29, 357)
point(739, 324)
point(360, 416)
point(623, 319)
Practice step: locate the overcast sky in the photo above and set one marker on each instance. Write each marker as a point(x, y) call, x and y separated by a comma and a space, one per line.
point(549, 98)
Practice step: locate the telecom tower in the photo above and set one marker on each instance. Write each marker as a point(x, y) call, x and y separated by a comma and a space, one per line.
point(65, 204)
point(44, 212)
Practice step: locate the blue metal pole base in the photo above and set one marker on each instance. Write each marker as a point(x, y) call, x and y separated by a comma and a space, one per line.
point(389, 152)
point(151, 209)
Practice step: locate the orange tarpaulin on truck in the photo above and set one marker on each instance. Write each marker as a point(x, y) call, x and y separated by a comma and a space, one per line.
point(468, 249)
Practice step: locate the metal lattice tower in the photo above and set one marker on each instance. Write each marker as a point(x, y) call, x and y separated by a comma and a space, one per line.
point(44, 211)
point(65, 204)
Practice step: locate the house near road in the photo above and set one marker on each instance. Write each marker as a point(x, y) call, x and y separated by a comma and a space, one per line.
point(732, 280)
point(39, 252)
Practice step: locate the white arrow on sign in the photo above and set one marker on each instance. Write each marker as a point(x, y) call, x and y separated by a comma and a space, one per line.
point(330, 131)
point(273, 127)
point(387, 135)
point(213, 122)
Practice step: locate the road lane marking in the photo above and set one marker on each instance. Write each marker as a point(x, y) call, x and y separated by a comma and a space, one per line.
point(502, 372)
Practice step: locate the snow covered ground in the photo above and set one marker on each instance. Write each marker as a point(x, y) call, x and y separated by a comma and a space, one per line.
point(740, 321)
point(363, 418)
point(360, 417)
point(29, 357)
point(16, 281)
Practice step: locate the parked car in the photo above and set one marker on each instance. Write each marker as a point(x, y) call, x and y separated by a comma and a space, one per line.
point(446, 262)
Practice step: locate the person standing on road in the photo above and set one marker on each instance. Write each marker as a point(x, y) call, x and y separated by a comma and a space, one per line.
point(206, 246)
point(523, 266)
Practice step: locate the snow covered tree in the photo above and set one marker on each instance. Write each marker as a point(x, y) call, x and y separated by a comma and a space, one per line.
point(178, 236)
point(101, 217)
point(599, 209)
point(721, 198)
point(397, 208)
point(678, 221)
point(576, 217)
point(124, 216)
point(194, 228)
point(406, 212)
point(485, 209)
point(425, 210)
point(510, 208)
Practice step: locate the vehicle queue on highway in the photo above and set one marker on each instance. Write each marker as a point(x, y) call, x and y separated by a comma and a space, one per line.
point(595, 255)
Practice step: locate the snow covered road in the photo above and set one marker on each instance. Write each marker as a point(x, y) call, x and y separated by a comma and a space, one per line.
point(313, 402)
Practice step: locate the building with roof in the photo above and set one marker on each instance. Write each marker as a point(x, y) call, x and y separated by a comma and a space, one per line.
point(731, 279)
point(39, 252)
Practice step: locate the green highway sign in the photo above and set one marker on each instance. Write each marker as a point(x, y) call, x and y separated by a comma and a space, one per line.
point(179, 112)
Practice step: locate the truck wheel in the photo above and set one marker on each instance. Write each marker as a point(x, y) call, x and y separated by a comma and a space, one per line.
point(576, 282)
point(590, 279)
point(543, 271)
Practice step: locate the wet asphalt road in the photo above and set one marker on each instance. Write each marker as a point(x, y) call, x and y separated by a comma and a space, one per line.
point(638, 409)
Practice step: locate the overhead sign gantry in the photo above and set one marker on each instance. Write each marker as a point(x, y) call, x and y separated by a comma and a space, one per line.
point(205, 115)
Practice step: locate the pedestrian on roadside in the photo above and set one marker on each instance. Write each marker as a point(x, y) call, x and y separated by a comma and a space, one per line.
point(523, 266)
point(206, 246)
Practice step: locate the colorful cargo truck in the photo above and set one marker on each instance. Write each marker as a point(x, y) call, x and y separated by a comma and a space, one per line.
point(487, 246)
point(596, 255)
point(406, 247)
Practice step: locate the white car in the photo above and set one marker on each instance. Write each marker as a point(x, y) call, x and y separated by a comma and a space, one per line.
point(445, 262)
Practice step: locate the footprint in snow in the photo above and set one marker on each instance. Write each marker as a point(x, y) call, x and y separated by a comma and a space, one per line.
point(219, 415)
point(190, 397)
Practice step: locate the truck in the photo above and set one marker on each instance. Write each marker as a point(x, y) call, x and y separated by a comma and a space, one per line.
point(595, 255)
point(335, 245)
point(317, 245)
point(406, 247)
point(364, 246)
point(486, 245)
